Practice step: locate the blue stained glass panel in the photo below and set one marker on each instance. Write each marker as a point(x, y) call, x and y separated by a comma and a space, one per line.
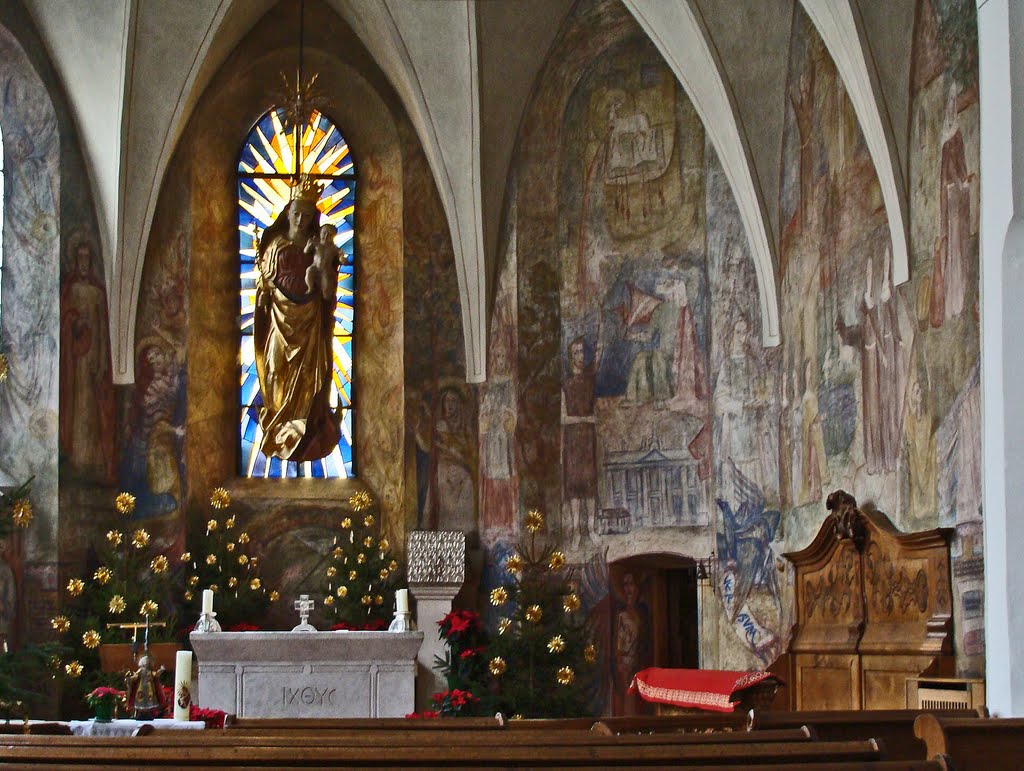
point(271, 159)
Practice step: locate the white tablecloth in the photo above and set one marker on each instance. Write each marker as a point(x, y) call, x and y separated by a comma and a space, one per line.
point(127, 727)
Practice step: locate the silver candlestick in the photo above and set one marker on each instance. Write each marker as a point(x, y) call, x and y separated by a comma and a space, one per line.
point(207, 623)
point(304, 605)
point(401, 623)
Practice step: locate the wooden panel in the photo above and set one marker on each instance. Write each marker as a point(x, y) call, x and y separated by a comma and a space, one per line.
point(827, 682)
point(885, 679)
point(873, 608)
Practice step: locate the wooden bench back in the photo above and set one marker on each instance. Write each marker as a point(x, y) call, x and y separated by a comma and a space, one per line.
point(342, 739)
point(973, 742)
point(696, 723)
point(141, 752)
point(893, 726)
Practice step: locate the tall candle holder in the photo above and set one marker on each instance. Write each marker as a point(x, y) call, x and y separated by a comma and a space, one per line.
point(403, 618)
point(402, 622)
point(207, 618)
point(207, 623)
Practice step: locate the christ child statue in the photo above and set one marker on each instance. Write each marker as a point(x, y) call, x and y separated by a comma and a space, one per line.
point(325, 255)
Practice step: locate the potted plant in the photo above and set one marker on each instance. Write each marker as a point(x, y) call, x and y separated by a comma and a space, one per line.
point(104, 701)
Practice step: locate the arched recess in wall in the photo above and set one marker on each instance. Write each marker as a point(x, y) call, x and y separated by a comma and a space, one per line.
point(187, 352)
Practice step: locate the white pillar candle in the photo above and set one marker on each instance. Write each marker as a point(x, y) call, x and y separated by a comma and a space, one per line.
point(207, 600)
point(182, 684)
point(402, 601)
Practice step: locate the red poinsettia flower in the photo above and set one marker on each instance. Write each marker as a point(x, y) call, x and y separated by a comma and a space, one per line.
point(214, 718)
point(460, 698)
point(341, 626)
point(459, 621)
point(243, 627)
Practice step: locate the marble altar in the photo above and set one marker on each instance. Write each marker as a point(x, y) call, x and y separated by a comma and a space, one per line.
point(308, 674)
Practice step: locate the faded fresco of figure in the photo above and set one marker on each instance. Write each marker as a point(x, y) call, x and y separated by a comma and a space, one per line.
point(689, 374)
point(150, 463)
point(645, 319)
point(579, 445)
point(813, 465)
point(884, 366)
point(953, 254)
point(630, 641)
point(87, 391)
point(919, 452)
point(668, 367)
point(497, 436)
point(745, 541)
point(451, 495)
point(735, 400)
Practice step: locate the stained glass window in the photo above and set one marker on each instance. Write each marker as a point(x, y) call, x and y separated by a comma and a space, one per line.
point(272, 159)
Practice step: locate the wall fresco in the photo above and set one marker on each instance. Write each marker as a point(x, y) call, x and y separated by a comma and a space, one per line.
point(882, 379)
point(941, 449)
point(441, 411)
point(628, 290)
point(29, 335)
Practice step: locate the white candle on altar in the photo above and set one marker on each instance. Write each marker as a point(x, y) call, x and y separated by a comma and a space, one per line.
point(402, 601)
point(207, 600)
point(182, 684)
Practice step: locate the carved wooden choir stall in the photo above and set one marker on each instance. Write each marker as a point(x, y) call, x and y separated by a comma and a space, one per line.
point(873, 608)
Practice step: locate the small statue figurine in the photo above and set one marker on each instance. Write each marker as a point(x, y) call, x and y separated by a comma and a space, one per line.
point(322, 274)
point(145, 696)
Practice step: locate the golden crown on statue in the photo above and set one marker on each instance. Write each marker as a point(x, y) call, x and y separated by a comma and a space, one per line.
point(307, 189)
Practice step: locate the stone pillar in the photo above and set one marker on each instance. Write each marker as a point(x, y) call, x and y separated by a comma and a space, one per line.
point(1001, 83)
point(436, 571)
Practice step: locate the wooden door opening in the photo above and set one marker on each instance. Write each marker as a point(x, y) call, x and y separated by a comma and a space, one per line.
point(654, 622)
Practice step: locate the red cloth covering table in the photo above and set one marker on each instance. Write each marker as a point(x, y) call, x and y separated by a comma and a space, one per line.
point(709, 689)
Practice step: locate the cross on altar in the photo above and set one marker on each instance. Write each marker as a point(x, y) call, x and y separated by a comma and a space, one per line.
point(304, 605)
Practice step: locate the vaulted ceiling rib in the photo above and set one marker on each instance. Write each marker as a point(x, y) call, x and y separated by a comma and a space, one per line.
point(675, 29)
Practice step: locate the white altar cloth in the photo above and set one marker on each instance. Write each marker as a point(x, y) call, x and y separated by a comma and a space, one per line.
point(128, 727)
point(307, 674)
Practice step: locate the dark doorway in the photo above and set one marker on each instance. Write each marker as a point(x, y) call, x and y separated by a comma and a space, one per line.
point(653, 624)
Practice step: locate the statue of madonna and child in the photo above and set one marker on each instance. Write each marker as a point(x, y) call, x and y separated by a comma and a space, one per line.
point(296, 295)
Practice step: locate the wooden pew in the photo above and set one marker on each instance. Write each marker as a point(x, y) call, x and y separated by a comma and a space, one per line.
point(546, 724)
point(566, 737)
point(167, 737)
point(894, 727)
point(970, 743)
point(299, 751)
point(703, 722)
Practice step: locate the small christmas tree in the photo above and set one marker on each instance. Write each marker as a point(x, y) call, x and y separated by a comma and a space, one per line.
point(533, 666)
point(360, 571)
point(132, 584)
point(220, 558)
